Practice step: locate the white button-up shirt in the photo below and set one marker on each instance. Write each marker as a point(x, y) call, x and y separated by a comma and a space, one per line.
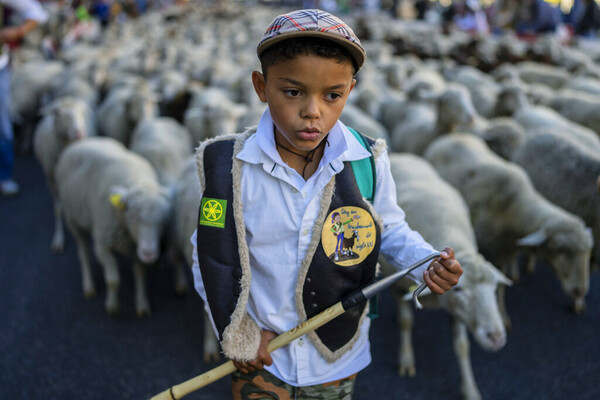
point(280, 209)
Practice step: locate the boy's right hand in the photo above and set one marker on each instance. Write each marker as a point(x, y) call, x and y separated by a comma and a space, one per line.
point(262, 358)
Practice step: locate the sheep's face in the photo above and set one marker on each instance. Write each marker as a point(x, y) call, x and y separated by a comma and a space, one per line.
point(146, 214)
point(572, 269)
point(71, 121)
point(569, 253)
point(142, 105)
point(474, 303)
point(222, 119)
point(306, 96)
point(456, 107)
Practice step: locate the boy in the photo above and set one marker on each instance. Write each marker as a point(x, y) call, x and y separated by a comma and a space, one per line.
point(263, 241)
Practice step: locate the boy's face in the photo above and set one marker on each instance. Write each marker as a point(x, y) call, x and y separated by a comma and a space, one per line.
point(306, 96)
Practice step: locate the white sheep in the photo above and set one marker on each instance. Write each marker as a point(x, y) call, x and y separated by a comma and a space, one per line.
point(537, 72)
point(532, 117)
point(112, 195)
point(356, 118)
point(580, 107)
point(508, 214)
point(165, 143)
point(65, 120)
point(584, 84)
point(483, 88)
point(186, 203)
point(29, 90)
point(212, 113)
point(566, 174)
point(123, 109)
point(420, 122)
point(437, 211)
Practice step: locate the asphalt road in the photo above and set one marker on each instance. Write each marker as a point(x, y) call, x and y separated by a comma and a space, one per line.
point(54, 344)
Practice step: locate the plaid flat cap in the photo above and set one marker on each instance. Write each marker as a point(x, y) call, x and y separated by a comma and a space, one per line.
point(316, 23)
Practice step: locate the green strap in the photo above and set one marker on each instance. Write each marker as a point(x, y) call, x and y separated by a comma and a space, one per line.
point(364, 170)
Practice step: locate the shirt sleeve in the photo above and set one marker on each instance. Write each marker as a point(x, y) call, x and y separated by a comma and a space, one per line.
point(27, 9)
point(198, 283)
point(400, 245)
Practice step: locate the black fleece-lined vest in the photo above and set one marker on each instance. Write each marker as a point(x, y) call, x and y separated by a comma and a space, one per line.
point(325, 282)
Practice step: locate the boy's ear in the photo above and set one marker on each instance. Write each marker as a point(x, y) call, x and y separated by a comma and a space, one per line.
point(353, 84)
point(258, 80)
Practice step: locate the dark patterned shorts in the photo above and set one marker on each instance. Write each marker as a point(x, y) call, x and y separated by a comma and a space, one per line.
point(262, 385)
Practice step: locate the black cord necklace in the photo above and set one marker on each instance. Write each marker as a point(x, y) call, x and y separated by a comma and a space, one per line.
point(308, 158)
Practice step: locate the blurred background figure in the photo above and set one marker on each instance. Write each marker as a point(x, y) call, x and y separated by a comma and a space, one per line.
point(421, 8)
point(100, 9)
point(31, 15)
point(535, 17)
point(587, 22)
point(468, 16)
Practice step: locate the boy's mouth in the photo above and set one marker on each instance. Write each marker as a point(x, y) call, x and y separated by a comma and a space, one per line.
point(309, 133)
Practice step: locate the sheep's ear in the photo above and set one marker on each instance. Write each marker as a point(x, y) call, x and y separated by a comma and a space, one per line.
point(117, 197)
point(500, 277)
point(534, 239)
point(588, 231)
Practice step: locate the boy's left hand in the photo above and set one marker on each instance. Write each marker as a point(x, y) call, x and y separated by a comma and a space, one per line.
point(443, 272)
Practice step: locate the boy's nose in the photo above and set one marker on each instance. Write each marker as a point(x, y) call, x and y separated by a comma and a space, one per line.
point(311, 110)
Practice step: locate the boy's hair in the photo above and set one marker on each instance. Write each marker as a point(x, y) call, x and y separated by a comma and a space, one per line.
point(291, 48)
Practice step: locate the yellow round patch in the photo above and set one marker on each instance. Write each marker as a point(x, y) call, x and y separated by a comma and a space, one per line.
point(348, 235)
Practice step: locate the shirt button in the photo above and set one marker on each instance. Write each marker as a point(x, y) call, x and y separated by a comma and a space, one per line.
point(305, 232)
point(300, 342)
point(294, 190)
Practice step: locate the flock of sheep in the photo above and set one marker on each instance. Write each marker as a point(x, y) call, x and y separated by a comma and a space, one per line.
point(507, 159)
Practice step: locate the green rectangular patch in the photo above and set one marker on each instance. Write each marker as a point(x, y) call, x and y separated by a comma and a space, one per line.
point(212, 212)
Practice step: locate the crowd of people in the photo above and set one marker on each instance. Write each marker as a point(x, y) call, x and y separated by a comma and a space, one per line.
point(527, 17)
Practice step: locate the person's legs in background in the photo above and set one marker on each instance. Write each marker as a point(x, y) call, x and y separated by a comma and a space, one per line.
point(8, 186)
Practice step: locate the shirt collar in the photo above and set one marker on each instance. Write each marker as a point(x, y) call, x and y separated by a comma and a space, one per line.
point(260, 148)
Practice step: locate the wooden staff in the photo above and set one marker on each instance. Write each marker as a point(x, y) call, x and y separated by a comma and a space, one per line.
point(354, 299)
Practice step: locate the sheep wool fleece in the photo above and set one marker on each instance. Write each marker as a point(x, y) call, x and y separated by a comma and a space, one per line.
point(332, 269)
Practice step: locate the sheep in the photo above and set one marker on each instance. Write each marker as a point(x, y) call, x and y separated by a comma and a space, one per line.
point(112, 195)
point(174, 96)
point(420, 123)
point(186, 203)
point(437, 211)
point(65, 120)
point(484, 90)
point(537, 72)
point(165, 143)
point(531, 117)
point(580, 107)
point(212, 113)
point(30, 84)
point(356, 118)
point(251, 117)
point(565, 173)
point(123, 109)
point(509, 214)
point(584, 84)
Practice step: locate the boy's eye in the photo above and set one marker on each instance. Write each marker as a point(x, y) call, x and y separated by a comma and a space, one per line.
point(292, 92)
point(333, 96)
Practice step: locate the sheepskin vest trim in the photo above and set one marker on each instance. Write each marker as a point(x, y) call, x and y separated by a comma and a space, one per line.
point(341, 257)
